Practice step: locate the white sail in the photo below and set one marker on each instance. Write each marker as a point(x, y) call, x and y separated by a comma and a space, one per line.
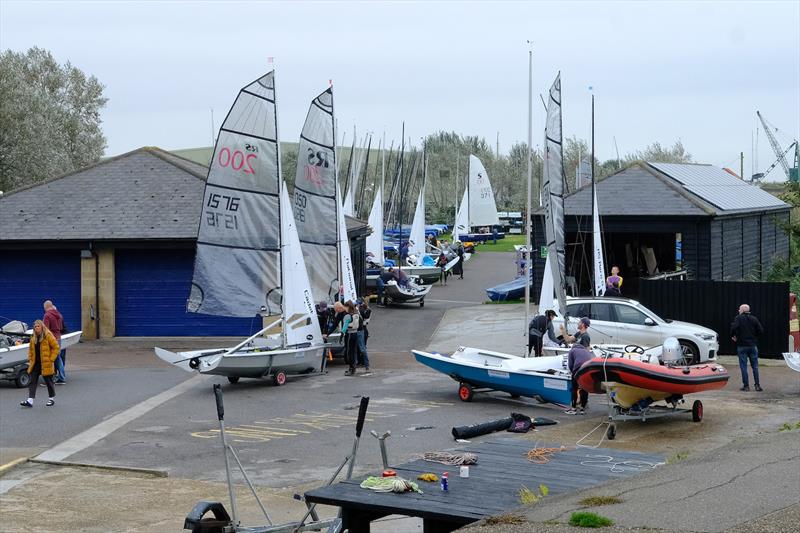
point(348, 288)
point(553, 192)
point(315, 198)
point(300, 318)
point(375, 239)
point(416, 239)
point(237, 260)
point(348, 205)
point(597, 245)
point(461, 226)
point(482, 209)
point(547, 295)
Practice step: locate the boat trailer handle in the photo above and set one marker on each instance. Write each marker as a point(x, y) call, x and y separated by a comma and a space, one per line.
point(218, 398)
point(362, 414)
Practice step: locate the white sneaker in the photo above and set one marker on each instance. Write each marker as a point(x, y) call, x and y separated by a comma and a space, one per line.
point(571, 411)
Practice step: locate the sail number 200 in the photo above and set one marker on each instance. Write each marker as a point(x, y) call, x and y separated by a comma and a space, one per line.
point(237, 160)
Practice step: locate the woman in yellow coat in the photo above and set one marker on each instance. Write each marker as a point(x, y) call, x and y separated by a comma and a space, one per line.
point(42, 353)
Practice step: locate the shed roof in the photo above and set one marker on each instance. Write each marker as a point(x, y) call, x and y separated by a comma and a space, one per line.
point(659, 189)
point(146, 194)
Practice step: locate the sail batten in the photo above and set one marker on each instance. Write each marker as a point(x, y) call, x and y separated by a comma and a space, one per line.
point(237, 260)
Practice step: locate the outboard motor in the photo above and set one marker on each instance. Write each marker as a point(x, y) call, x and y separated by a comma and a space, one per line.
point(671, 353)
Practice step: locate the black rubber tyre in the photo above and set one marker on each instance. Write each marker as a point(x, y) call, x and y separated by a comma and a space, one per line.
point(691, 355)
point(422, 303)
point(233, 379)
point(697, 411)
point(465, 392)
point(611, 432)
point(279, 378)
point(515, 396)
point(23, 379)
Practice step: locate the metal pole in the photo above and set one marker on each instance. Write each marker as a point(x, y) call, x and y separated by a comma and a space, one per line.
point(528, 204)
point(741, 165)
point(221, 417)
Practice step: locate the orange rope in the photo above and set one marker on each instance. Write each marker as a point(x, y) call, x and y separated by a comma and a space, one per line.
point(542, 456)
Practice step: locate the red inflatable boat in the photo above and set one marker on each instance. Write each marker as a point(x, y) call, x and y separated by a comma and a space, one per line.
point(635, 379)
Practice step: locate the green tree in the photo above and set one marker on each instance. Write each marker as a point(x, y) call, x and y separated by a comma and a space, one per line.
point(49, 118)
point(783, 270)
point(658, 154)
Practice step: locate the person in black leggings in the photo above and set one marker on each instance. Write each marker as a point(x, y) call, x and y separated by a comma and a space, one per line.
point(42, 353)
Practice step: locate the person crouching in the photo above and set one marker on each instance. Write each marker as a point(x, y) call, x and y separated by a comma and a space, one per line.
point(42, 353)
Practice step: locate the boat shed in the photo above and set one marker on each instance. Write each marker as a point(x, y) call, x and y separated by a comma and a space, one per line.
point(661, 218)
point(113, 246)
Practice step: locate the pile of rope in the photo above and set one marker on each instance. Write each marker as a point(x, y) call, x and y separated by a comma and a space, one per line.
point(389, 484)
point(452, 459)
point(430, 477)
point(618, 466)
point(542, 456)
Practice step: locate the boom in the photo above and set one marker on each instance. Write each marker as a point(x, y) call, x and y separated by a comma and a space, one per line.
point(779, 153)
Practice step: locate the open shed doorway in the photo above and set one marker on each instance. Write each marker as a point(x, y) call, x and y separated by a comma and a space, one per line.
point(638, 255)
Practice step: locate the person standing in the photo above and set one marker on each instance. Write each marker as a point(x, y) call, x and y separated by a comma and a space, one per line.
point(385, 277)
point(363, 333)
point(42, 353)
point(614, 280)
point(745, 331)
point(55, 323)
point(441, 262)
point(578, 355)
point(540, 326)
point(582, 335)
point(459, 267)
point(350, 325)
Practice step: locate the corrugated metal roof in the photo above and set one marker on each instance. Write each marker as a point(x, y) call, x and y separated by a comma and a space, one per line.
point(718, 187)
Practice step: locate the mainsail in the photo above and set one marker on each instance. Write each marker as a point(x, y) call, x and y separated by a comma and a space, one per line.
point(348, 287)
point(482, 209)
point(375, 239)
point(461, 226)
point(237, 261)
point(416, 239)
point(316, 208)
point(553, 193)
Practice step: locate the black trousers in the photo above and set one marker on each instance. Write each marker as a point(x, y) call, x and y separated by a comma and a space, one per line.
point(583, 394)
point(35, 373)
point(535, 343)
point(351, 349)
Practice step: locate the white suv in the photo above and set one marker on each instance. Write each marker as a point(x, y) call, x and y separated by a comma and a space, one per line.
point(624, 321)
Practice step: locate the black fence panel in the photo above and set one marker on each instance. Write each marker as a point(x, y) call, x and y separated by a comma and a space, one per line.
point(714, 304)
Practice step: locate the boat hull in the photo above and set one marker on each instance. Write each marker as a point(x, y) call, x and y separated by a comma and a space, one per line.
point(249, 363)
point(792, 360)
point(16, 355)
point(511, 290)
point(504, 373)
point(671, 380)
point(410, 294)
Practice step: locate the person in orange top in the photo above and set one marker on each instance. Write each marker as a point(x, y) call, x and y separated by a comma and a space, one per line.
point(42, 353)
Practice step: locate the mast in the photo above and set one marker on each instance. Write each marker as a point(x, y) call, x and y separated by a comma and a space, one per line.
point(400, 210)
point(528, 243)
point(594, 192)
point(338, 200)
point(281, 186)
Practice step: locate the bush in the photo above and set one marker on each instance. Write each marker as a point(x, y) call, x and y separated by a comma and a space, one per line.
point(589, 520)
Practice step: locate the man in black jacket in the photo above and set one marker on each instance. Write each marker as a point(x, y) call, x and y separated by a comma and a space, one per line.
point(745, 331)
point(540, 326)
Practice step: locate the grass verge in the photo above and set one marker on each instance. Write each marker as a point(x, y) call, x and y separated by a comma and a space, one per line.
point(596, 501)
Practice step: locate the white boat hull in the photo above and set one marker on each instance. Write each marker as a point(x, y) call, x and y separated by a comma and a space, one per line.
point(792, 360)
point(15, 355)
point(250, 362)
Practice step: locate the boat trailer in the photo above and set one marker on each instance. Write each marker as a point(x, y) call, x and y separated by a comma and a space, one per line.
point(221, 521)
point(617, 413)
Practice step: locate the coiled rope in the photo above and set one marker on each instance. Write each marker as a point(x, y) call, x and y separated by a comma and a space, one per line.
point(542, 456)
point(389, 484)
point(452, 459)
point(607, 461)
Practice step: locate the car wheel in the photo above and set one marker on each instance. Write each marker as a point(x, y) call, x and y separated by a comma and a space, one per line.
point(691, 355)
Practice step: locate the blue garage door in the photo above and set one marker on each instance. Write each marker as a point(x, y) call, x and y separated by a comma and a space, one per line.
point(28, 278)
point(152, 287)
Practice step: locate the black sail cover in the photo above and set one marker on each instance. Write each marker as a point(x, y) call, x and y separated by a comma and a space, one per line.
point(237, 261)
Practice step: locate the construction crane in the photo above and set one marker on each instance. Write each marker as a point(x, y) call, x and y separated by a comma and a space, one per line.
point(791, 173)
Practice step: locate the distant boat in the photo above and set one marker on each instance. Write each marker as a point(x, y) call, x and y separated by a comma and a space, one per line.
point(510, 290)
point(477, 208)
point(248, 258)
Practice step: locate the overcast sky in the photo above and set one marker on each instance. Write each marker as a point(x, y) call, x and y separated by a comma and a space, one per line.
point(695, 71)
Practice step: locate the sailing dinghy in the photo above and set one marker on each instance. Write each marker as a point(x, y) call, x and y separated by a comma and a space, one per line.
point(547, 377)
point(248, 259)
point(478, 208)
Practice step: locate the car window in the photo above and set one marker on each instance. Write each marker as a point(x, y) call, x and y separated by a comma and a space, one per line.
point(629, 315)
point(578, 310)
point(602, 311)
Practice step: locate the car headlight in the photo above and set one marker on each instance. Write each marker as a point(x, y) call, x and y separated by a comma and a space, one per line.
point(706, 336)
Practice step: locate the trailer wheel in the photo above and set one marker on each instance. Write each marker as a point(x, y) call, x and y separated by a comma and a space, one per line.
point(515, 396)
point(422, 303)
point(279, 378)
point(23, 379)
point(233, 379)
point(611, 432)
point(697, 411)
point(465, 392)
